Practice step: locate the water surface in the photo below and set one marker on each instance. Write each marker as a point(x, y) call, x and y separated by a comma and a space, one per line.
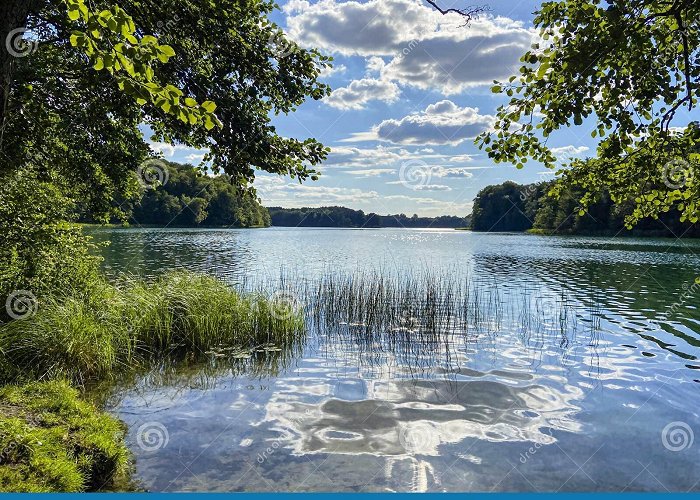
point(580, 374)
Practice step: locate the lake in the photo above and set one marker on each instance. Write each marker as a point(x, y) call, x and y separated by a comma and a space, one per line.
point(577, 369)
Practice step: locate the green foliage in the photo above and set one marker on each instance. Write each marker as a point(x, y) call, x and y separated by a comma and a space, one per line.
point(72, 107)
point(623, 69)
point(554, 208)
point(110, 40)
point(51, 441)
point(346, 217)
point(190, 198)
point(501, 208)
point(39, 250)
point(114, 328)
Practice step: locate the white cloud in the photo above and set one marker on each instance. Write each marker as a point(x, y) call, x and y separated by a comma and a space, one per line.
point(169, 150)
point(462, 158)
point(375, 64)
point(334, 70)
point(352, 157)
point(195, 158)
point(433, 187)
point(426, 49)
point(279, 191)
point(569, 151)
point(441, 123)
point(452, 173)
point(372, 172)
point(360, 92)
point(293, 6)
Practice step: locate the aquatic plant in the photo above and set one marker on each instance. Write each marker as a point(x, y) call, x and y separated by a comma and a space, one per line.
point(132, 322)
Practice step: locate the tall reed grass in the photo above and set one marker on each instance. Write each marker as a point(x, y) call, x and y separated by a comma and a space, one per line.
point(115, 327)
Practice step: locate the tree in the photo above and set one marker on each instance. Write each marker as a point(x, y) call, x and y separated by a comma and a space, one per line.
point(190, 198)
point(501, 208)
point(626, 67)
point(79, 80)
point(205, 74)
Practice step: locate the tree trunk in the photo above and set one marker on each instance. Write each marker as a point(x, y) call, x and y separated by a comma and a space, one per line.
point(13, 16)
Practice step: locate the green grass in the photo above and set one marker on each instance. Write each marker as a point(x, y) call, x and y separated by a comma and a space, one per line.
point(111, 328)
point(50, 440)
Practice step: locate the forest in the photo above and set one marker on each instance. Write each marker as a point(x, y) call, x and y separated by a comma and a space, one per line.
point(552, 208)
point(190, 198)
point(347, 217)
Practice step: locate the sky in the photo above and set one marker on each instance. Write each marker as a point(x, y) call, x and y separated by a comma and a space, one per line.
point(411, 90)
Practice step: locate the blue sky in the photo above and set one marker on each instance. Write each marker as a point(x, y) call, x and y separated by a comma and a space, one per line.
point(411, 90)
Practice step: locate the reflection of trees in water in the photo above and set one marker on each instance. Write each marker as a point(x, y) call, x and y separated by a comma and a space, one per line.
point(204, 371)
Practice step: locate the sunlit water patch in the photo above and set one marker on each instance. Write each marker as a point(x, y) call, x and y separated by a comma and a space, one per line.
point(571, 365)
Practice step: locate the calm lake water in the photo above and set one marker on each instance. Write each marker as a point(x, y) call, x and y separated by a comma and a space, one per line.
point(582, 373)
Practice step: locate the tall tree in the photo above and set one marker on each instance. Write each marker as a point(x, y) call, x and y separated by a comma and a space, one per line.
point(625, 68)
point(79, 80)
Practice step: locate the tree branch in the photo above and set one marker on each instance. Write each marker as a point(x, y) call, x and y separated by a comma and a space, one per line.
point(469, 13)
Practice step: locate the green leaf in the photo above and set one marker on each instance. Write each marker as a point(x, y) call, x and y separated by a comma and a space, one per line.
point(209, 106)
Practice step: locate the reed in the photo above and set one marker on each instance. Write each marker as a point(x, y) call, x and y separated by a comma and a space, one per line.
point(133, 322)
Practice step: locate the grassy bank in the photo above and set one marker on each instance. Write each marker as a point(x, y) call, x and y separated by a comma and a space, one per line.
point(50, 440)
point(112, 328)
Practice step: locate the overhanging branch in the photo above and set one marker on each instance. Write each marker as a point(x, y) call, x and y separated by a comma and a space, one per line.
point(469, 13)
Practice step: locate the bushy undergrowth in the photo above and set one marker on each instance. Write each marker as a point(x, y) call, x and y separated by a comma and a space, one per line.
point(52, 441)
point(40, 251)
point(84, 337)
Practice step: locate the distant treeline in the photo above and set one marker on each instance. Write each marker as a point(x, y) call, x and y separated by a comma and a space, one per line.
point(346, 217)
point(515, 207)
point(189, 198)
